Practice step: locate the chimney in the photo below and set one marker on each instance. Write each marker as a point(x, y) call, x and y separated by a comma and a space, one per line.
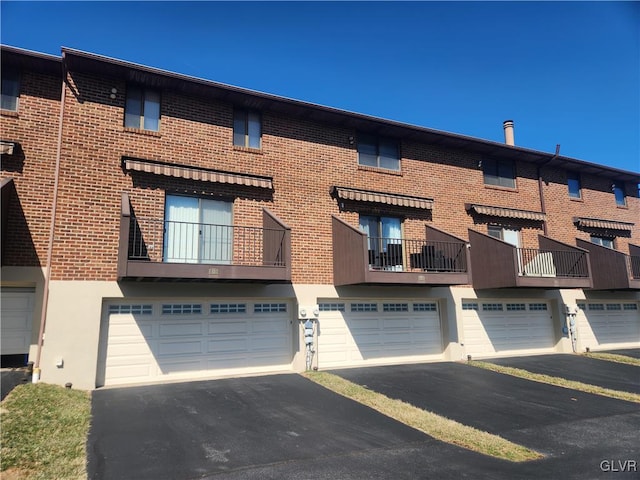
point(508, 132)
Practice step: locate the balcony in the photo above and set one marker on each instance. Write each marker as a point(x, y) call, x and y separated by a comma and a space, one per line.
point(613, 270)
point(437, 259)
point(155, 249)
point(497, 264)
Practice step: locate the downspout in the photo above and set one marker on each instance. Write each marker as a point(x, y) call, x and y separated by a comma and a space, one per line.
point(54, 206)
point(543, 207)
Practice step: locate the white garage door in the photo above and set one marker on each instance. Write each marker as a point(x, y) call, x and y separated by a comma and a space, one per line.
point(16, 318)
point(367, 332)
point(150, 341)
point(608, 325)
point(495, 328)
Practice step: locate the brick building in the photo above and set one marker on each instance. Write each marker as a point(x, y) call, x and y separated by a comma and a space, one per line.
point(193, 222)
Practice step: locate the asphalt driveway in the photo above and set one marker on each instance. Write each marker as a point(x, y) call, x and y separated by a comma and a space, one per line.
point(285, 426)
point(616, 376)
point(574, 430)
point(629, 352)
point(281, 426)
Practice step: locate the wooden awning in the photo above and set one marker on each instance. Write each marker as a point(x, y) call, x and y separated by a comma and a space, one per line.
point(603, 224)
point(507, 212)
point(356, 195)
point(193, 173)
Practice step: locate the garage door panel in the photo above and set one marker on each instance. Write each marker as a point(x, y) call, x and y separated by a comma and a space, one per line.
point(184, 329)
point(239, 344)
point(194, 344)
point(397, 334)
point(238, 327)
point(16, 320)
point(185, 347)
point(494, 327)
point(608, 325)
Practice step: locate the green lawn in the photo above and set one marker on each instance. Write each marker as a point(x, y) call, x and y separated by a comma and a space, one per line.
point(44, 433)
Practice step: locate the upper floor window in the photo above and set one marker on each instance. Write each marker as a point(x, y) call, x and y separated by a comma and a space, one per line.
point(618, 191)
point(10, 89)
point(499, 172)
point(604, 241)
point(247, 129)
point(573, 184)
point(378, 152)
point(142, 109)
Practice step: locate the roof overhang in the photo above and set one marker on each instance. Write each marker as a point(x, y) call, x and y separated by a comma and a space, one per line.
point(29, 60)
point(356, 195)
point(506, 212)
point(199, 174)
point(603, 224)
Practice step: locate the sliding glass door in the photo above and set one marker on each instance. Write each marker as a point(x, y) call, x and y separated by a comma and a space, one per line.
point(197, 230)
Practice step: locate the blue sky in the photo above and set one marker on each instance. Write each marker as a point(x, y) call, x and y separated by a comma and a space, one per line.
point(567, 73)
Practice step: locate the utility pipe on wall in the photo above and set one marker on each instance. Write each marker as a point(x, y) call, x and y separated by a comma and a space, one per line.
point(54, 205)
point(543, 207)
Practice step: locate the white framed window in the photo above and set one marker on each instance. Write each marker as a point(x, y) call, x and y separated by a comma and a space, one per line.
point(508, 235)
point(378, 152)
point(197, 230)
point(10, 89)
point(142, 108)
point(247, 129)
point(603, 241)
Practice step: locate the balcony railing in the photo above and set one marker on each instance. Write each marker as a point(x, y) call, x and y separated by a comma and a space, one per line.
point(634, 267)
point(437, 259)
point(612, 269)
point(184, 242)
point(534, 262)
point(159, 249)
point(498, 264)
point(409, 255)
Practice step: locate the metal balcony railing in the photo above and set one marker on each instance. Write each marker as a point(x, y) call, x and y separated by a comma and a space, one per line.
point(533, 262)
point(158, 240)
point(634, 266)
point(407, 255)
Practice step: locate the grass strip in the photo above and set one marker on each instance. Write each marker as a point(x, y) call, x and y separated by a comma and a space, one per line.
point(44, 433)
point(614, 357)
point(436, 426)
point(558, 381)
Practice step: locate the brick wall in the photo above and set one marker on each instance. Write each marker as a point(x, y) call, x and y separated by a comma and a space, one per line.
point(35, 127)
point(304, 158)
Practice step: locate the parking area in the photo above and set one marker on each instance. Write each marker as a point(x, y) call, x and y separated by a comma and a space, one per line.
point(285, 426)
point(629, 352)
point(616, 376)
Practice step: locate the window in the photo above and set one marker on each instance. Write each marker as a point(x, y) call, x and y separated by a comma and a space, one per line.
point(604, 241)
point(197, 230)
point(142, 109)
point(573, 184)
point(618, 192)
point(505, 234)
point(378, 152)
point(247, 129)
point(499, 172)
point(385, 241)
point(10, 89)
